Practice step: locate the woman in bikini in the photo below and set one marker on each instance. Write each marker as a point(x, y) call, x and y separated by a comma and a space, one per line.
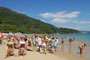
point(22, 46)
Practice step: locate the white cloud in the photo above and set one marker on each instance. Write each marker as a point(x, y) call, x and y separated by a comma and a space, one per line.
point(71, 27)
point(83, 28)
point(64, 17)
point(60, 17)
point(22, 12)
point(81, 22)
point(60, 21)
point(78, 27)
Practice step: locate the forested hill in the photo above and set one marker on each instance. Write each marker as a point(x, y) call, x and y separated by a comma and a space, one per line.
point(11, 21)
point(68, 30)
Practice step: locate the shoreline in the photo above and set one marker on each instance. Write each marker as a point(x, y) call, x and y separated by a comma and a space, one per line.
point(72, 52)
point(71, 56)
point(65, 51)
point(59, 55)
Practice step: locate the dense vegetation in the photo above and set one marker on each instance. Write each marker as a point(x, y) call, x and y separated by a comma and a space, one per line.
point(68, 30)
point(11, 21)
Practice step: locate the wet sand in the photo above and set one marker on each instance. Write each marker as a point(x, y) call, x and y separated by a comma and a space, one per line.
point(72, 51)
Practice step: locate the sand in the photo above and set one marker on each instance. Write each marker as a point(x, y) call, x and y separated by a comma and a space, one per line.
point(63, 53)
point(31, 55)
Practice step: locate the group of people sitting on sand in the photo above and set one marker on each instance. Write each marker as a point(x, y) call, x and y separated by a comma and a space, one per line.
point(41, 43)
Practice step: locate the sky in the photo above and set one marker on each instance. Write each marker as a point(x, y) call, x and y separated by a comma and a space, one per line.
point(60, 13)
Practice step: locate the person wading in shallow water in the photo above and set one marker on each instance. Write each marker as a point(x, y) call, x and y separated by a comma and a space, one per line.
point(70, 40)
point(81, 47)
point(62, 41)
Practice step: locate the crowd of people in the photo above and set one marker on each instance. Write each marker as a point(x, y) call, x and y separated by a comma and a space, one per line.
point(42, 43)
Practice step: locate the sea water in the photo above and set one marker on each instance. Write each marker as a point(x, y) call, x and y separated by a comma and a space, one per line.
point(66, 48)
point(84, 38)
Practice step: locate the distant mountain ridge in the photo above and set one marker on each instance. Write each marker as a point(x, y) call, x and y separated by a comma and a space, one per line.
point(85, 31)
point(11, 21)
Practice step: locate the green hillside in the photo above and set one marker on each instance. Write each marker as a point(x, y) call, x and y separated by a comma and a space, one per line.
point(11, 21)
point(68, 30)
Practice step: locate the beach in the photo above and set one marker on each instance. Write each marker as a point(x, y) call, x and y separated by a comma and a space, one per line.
point(73, 53)
point(73, 50)
point(44, 30)
point(59, 55)
point(31, 55)
point(65, 51)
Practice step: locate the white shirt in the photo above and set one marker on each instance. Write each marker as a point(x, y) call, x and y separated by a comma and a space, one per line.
point(39, 41)
point(56, 42)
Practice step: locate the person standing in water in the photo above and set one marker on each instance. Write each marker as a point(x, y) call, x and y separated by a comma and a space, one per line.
point(70, 40)
point(62, 41)
point(62, 44)
point(81, 47)
point(55, 43)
